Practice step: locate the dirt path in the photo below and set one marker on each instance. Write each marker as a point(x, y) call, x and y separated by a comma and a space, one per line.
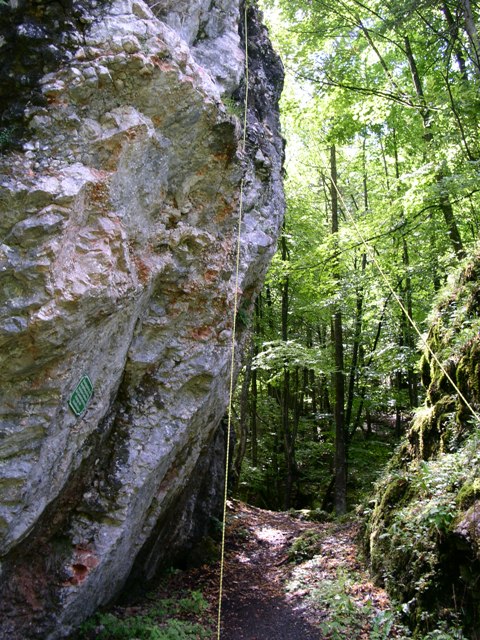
point(285, 579)
point(290, 579)
point(255, 605)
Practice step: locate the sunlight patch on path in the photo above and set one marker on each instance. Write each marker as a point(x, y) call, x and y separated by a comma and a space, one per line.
point(271, 536)
point(244, 559)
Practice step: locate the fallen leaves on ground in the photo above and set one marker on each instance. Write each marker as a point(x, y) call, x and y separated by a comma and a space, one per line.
point(285, 578)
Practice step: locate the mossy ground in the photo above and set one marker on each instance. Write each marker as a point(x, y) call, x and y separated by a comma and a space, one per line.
point(419, 533)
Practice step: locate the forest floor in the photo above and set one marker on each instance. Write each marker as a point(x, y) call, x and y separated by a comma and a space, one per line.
point(290, 579)
point(285, 578)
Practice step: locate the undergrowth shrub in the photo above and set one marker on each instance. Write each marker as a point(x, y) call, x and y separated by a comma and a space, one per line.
point(161, 621)
point(346, 617)
point(411, 533)
point(306, 546)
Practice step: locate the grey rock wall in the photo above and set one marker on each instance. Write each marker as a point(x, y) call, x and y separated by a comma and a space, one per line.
point(118, 214)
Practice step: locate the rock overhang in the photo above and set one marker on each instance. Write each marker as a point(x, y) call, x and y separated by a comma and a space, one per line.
point(117, 257)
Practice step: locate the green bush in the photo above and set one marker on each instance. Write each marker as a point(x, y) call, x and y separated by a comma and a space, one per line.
point(411, 527)
point(305, 546)
point(159, 622)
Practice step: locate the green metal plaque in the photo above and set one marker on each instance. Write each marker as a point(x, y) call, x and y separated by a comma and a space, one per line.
point(81, 396)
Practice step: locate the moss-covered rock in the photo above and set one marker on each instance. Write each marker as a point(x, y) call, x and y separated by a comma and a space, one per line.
point(468, 493)
point(423, 531)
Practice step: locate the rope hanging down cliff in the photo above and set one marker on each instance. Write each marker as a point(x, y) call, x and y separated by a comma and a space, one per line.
point(235, 309)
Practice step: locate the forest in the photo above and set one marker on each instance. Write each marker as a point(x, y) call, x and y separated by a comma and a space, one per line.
point(376, 266)
point(240, 319)
point(380, 113)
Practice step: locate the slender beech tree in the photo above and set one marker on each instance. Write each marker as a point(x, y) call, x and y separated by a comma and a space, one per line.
point(340, 499)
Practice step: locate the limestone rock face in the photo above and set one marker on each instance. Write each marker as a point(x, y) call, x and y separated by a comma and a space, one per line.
point(118, 226)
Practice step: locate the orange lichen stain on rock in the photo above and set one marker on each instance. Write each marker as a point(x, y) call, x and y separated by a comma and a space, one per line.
point(223, 213)
point(100, 174)
point(203, 171)
point(134, 132)
point(201, 333)
point(162, 65)
point(143, 270)
point(100, 195)
point(223, 157)
point(84, 561)
point(111, 150)
point(54, 98)
point(211, 275)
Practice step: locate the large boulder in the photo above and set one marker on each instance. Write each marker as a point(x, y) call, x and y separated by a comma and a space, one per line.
point(120, 190)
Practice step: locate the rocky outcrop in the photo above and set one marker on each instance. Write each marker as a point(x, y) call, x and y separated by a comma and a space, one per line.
point(119, 196)
point(423, 533)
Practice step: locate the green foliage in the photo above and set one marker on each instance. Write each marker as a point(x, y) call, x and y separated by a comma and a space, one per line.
point(394, 88)
point(109, 627)
point(367, 459)
point(161, 622)
point(7, 137)
point(406, 152)
point(278, 355)
point(306, 546)
point(412, 520)
point(445, 632)
point(468, 493)
point(420, 534)
point(243, 318)
point(233, 107)
point(346, 617)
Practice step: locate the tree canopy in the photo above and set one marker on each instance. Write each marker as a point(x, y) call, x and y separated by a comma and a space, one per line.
point(380, 113)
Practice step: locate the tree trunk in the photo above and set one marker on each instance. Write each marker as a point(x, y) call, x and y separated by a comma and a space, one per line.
point(340, 499)
point(454, 42)
point(398, 412)
point(241, 444)
point(471, 29)
point(356, 347)
point(363, 390)
point(253, 420)
point(254, 396)
point(340, 445)
point(444, 199)
point(288, 441)
point(312, 388)
point(412, 377)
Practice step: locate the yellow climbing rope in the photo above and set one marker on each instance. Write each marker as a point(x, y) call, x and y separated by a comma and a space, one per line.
point(232, 360)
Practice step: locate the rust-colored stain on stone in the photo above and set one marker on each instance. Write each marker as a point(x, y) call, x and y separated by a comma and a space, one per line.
point(143, 271)
point(84, 561)
point(122, 213)
point(99, 193)
point(162, 65)
point(211, 275)
point(223, 213)
point(202, 333)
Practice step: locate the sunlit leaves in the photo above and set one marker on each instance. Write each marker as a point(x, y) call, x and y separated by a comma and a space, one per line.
point(278, 355)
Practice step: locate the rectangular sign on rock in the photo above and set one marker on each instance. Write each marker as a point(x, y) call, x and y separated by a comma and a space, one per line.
point(81, 396)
